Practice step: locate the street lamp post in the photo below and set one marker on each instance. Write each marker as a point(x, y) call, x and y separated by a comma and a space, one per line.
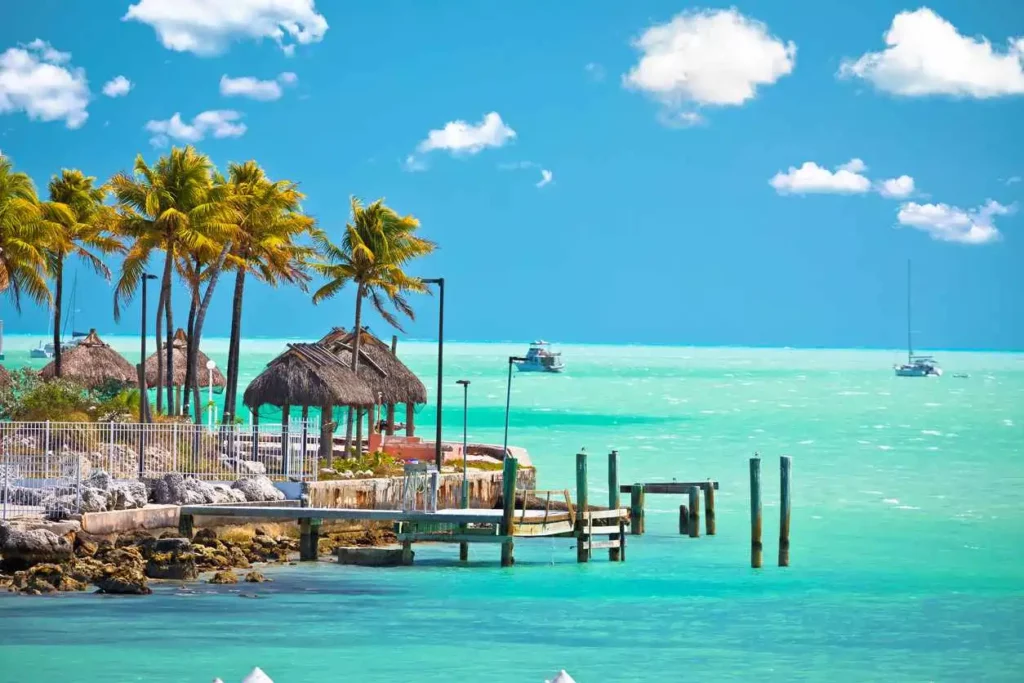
point(439, 281)
point(210, 366)
point(508, 400)
point(465, 423)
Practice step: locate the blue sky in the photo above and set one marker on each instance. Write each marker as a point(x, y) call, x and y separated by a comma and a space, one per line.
point(717, 176)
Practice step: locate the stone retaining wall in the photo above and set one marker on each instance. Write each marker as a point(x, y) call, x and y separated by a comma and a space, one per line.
point(386, 493)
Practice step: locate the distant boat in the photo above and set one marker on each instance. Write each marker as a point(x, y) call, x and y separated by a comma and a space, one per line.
point(916, 366)
point(540, 358)
point(45, 350)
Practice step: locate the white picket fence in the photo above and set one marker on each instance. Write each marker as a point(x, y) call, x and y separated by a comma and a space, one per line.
point(45, 460)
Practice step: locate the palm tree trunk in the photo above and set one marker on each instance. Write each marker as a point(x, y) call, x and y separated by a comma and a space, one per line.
point(158, 385)
point(355, 369)
point(234, 346)
point(197, 332)
point(189, 329)
point(58, 296)
point(169, 350)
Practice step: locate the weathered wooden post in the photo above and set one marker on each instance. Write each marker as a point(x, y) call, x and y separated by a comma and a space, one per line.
point(582, 531)
point(186, 526)
point(755, 512)
point(614, 554)
point(309, 539)
point(694, 523)
point(636, 509)
point(285, 438)
point(684, 521)
point(622, 540)
point(508, 492)
point(709, 507)
point(785, 470)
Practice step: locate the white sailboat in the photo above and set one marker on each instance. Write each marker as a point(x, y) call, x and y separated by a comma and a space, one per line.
point(916, 366)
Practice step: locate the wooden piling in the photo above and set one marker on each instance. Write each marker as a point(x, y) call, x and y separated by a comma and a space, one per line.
point(636, 510)
point(582, 525)
point(694, 523)
point(709, 508)
point(309, 539)
point(614, 554)
point(186, 526)
point(508, 492)
point(407, 553)
point(785, 471)
point(755, 513)
point(684, 521)
point(622, 540)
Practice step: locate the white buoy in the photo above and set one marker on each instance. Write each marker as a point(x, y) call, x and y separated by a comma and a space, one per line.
point(257, 676)
point(562, 677)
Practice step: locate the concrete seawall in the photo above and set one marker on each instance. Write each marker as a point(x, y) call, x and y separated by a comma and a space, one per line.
point(386, 493)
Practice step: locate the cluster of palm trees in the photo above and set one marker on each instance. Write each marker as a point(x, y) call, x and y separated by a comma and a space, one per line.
point(201, 223)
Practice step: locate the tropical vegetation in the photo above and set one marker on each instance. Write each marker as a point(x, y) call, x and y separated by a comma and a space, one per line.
point(182, 220)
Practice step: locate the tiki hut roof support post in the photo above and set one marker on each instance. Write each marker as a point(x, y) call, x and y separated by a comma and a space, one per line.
point(285, 439)
point(327, 434)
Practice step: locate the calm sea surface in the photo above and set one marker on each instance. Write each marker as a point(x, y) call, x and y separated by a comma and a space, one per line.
point(908, 539)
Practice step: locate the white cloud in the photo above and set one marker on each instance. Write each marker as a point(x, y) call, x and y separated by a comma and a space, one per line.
point(897, 188)
point(811, 178)
point(218, 123)
point(207, 28)
point(253, 88)
point(117, 87)
point(708, 58)
point(414, 164)
point(926, 55)
point(460, 137)
point(952, 224)
point(546, 177)
point(34, 80)
point(595, 71)
point(1013, 180)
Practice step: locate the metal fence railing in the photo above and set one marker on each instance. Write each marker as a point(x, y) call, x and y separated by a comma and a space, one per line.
point(46, 461)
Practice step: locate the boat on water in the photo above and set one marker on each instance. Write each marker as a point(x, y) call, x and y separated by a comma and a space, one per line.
point(46, 350)
point(916, 366)
point(540, 358)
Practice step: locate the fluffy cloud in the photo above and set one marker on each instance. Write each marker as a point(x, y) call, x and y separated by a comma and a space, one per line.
point(33, 79)
point(117, 87)
point(546, 177)
point(897, 188)
point(255, 89)
point(595, 71)
point(926, 55)
point(811, 178)
point(218, 123)
point(952, 224)
point(207, 28)
point(460, 137)
point(708, 58)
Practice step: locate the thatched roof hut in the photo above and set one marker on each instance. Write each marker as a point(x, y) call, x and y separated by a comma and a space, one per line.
point(91, 362)
point(386, 375)
point(307, 375)
point(5, 378)
point(179, 348)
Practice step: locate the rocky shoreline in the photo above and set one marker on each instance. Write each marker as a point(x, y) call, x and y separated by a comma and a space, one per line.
point(61, 557)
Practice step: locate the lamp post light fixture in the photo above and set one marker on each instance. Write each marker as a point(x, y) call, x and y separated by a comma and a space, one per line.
point(465, 423)
point(508, 400)
point(210, 367)
point(439, 281)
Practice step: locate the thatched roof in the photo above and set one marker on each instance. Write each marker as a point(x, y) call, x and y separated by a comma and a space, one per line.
point(180, 351)
point(386, 375)
point(91, 362)
point(5, 378)
point(307, 375)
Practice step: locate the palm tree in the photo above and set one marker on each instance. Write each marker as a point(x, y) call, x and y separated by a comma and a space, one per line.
point(23, 238)
point(270, 222)
point(175, 207)
point(80, 223)
point(377, 245)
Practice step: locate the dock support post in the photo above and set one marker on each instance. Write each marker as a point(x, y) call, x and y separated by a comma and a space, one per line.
point(186, 526)
point(508, 485)
point(309, 540)
point(785, 471)
point(614, 554)
point(622, 540)
point(582, 523)
point(694, 522)
point(407, 553)
point(709, 507)
point(684, 520)
point(636, 510)
point(755, 512)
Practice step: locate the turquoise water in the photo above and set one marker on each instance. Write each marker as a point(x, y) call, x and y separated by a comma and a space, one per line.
point(908, 540)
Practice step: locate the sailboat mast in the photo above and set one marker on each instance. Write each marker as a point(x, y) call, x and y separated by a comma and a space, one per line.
point(910, 345)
